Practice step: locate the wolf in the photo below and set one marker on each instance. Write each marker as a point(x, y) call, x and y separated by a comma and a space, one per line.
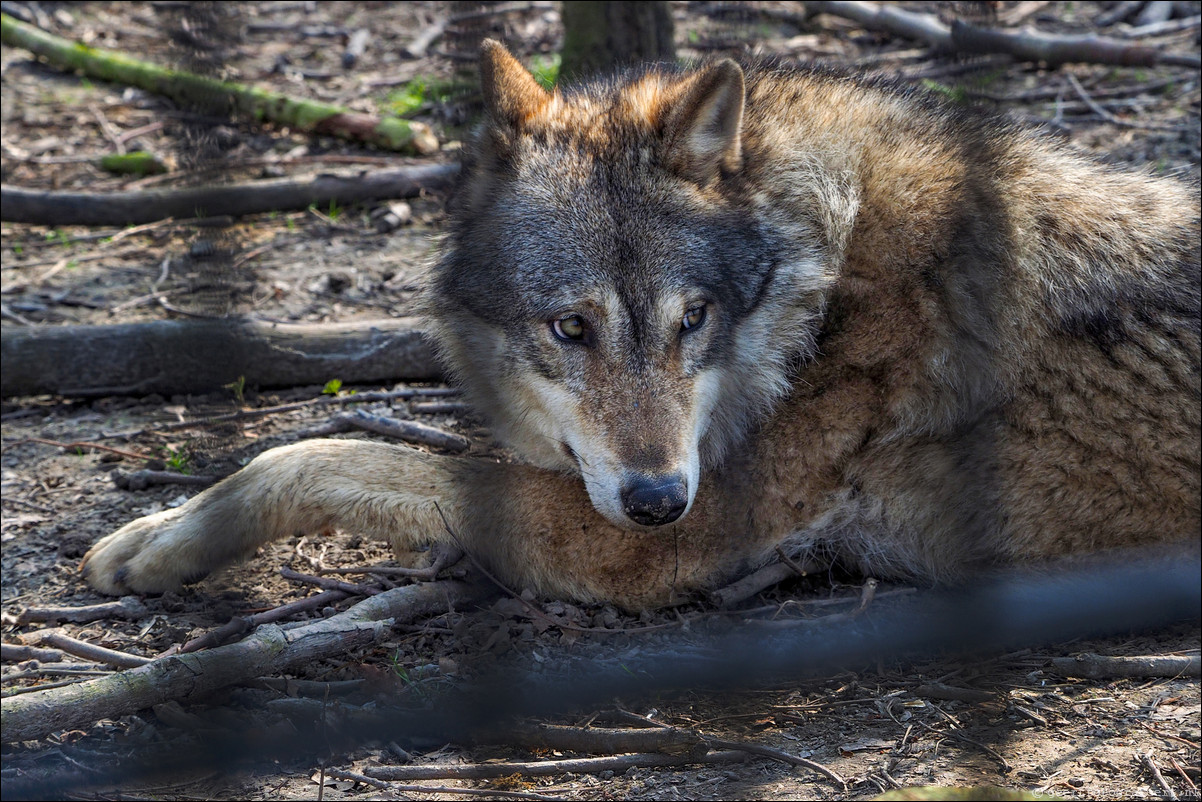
point(736, 310)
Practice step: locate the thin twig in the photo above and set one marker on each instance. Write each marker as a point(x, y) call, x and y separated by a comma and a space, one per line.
point(782, 756)
point(79, 445)
point(494, 793)
point(1177, 767)
point(1162, 28)
point(1150, 765)
point(407, 430)
point(329, 584)
point(247, 414)
point(444, 556)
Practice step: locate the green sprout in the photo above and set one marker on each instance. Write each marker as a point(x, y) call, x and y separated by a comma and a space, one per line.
point(238, 387)
point(545, 70)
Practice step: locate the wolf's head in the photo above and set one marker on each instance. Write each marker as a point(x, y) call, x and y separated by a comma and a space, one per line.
point(621, 294)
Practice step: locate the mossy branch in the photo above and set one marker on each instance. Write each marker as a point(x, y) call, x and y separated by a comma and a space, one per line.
point(220, 97)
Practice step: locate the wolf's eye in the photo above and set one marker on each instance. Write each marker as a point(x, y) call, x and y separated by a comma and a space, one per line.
point(568, 327)
point(693, 317)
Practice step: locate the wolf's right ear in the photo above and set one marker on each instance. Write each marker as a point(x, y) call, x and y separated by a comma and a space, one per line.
point(511, 95)
point(703, 130)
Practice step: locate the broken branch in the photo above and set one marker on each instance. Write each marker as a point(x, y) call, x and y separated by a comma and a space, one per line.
point(173, 356)
point(542, 768)
point(269, 650)
point(1096, 666)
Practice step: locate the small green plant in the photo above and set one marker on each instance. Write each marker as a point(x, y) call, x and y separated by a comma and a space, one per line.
point(418, 94)
point(58, 236)
point(545, 70)
point(238, 388)
point(290, 224)
point(335, 211)
point(403, 674)
point(332, 387)
point(955, 94)
point(177, 459)
point(408, 99)
point(18, 249)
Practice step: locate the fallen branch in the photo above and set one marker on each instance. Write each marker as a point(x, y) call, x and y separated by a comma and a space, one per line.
point(90, 651)
point(140, 480)
point(16, 653)
point(1033, 45)
point(889, 18)
point(1096, 666)
point(542, 768)
point(221, 97)
point(130, 607)
point(937, 690)
point(1146, 759)
point(610, 741)
point(169, 356)
point(53, 208)
point(269, 650)
point(756, 581)
point(1027, 45)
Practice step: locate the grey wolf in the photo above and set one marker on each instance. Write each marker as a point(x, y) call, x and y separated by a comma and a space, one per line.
point(726, 311)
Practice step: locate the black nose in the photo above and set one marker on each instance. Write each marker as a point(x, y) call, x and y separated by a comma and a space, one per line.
point(655, 500)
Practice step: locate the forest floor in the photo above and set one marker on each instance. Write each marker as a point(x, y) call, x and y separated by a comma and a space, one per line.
point(873, 724)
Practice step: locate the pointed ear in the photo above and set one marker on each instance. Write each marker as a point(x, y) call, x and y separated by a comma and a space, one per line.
point(703, 129)
point(511, 95)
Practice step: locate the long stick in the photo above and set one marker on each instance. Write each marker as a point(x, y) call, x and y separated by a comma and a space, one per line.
point(51, 208)
point(222, 97)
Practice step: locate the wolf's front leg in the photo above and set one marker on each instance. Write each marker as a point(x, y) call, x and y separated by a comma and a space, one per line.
point(374, 489)
point(534, 529)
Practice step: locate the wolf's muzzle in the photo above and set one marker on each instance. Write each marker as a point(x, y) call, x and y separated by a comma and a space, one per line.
point(655, 500)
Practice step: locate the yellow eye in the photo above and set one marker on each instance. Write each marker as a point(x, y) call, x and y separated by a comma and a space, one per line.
point(693, 318)
point(568, 327)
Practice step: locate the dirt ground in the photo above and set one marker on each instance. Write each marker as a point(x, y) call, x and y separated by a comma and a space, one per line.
point(872, 724)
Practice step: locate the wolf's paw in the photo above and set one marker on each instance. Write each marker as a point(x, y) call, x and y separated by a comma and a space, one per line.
point(144, 556)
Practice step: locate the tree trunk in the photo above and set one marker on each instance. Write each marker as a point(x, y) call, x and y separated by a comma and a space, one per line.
point(603, 36)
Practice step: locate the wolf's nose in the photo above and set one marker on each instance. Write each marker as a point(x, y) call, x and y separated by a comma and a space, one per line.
point(655, 500)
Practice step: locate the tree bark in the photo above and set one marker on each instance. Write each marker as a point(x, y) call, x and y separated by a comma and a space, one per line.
point(170, 356)
point(603, 36)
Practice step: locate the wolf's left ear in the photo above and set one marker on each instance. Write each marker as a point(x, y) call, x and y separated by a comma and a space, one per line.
point(703, 130)
point(511, 95)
